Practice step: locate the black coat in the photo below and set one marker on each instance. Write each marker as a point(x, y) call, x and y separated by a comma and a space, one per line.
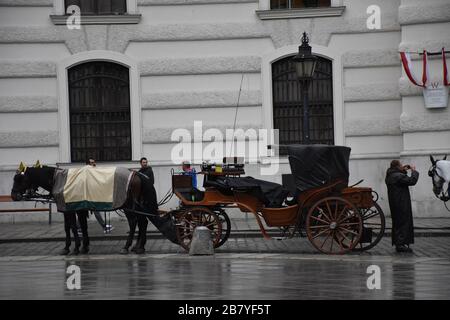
point(150, 202)
point(398, 183)
point(148, 193)
point(148, 171)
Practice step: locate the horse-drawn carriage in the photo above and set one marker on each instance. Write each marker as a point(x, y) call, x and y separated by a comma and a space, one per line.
point(337, 218)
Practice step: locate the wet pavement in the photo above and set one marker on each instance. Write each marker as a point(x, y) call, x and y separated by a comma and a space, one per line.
point(245, 267)
point(225, 276)
point(248, 268)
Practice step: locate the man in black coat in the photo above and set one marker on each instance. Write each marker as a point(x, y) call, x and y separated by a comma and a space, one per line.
point(149, 203)
point(398, 183)
point(163, 223)
point(147, 170)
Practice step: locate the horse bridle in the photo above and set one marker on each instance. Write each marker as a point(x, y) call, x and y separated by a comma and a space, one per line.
point(31, 192)
point(433, 172)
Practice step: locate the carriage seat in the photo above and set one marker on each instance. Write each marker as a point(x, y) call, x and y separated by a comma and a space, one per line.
point(182, 184)
point(191, 194)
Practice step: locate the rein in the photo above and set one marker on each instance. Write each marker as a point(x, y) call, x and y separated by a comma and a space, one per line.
point(38, 197)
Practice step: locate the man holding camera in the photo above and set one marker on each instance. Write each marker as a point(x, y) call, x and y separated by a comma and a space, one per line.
point(398, 183)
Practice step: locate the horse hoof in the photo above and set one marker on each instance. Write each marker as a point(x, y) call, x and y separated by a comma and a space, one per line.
point(64, 252)
point(133, 249)
point(124, 251)
point(75, 252)
point(85, 250)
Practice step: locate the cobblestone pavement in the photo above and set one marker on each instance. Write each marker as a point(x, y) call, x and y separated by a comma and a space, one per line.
point(14, 232)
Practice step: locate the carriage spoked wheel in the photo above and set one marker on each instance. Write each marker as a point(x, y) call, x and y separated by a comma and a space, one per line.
point(334, 225)
point(226, 226)
point(374, 224)
point(190, 218)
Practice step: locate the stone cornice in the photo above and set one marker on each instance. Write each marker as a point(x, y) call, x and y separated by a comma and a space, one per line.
point(211, 65)
point(26, 3)
point(372, 58)
point(373, 92)
point(100, 19)
point(372, 126)
point(163, 135)
point(203, 99)
point(74, 39)
point(28, 104)
point(436, 121)
point(425, 12)
point(27, 69)
point(22, 139)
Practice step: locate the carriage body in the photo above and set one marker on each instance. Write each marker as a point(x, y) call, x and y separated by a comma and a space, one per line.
point(321, 178)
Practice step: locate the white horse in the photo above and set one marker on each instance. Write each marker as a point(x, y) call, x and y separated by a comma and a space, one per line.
point(440, 175)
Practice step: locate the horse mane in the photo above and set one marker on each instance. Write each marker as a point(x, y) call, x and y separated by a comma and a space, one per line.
point(41, 177)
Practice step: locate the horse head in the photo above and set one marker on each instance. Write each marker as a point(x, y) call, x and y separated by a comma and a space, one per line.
point(440, 174)
point(23, 183)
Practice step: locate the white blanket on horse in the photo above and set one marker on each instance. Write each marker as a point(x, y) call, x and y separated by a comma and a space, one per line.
point(91, 188)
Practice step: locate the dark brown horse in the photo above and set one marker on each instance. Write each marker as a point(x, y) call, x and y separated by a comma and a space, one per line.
point(141, 197)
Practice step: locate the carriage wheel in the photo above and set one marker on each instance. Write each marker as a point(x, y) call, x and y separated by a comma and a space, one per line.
point(334, 225)
point(226, 226)
point(190, 218)
point(374, 224)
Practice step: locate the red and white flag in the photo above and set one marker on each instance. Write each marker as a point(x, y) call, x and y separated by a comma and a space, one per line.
point(407, 65)
point(444, 63)
point(425, 74)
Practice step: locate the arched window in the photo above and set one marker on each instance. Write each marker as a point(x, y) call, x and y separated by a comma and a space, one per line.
point(288, 103)
point(99, 106)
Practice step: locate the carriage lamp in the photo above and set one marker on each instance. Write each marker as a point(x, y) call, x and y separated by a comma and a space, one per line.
point(304, 61)
point(305, 64)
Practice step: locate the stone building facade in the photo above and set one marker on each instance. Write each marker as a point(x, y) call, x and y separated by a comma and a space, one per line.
point(186, 60)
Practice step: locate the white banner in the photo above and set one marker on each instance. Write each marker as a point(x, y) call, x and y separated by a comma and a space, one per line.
point(436, 96)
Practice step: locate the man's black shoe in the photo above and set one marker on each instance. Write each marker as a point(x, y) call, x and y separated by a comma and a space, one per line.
point(85, 250)
point(402, 249)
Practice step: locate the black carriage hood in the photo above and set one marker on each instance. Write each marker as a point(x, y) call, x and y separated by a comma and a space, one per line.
point(316, 165)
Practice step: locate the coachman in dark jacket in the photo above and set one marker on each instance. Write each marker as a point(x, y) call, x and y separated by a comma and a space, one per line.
point(398, 183)
point(150, 202)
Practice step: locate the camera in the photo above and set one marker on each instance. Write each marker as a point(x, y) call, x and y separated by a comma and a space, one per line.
point(407, 166)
